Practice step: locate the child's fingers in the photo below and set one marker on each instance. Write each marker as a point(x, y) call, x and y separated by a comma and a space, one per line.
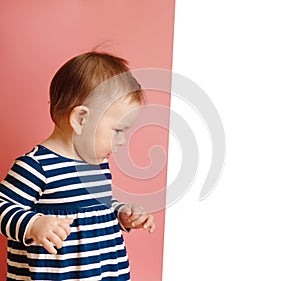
point(138, 222)
point(152, 227)
point(149, 224)
point(56, 240)
point(62, 232)
point(137, 218)
point(69, 221)
point(48, 246)
point(65, 223)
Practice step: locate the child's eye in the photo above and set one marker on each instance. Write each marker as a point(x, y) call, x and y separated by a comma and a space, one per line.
point(118, 130)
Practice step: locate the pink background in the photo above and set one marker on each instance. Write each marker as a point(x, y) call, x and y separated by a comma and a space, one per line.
point(37, 37)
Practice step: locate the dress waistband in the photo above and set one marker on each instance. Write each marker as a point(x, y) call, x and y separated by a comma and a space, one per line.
point(70, 211)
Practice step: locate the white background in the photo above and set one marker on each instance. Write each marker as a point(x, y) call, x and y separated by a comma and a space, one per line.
point(246, 56)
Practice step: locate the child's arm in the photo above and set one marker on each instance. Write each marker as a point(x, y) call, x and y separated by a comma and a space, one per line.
point(19, 192)
point(134, 216)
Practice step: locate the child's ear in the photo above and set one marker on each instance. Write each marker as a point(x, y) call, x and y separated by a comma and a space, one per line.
point(78, 117)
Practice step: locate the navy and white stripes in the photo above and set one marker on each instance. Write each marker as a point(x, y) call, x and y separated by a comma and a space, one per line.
point(47, 183)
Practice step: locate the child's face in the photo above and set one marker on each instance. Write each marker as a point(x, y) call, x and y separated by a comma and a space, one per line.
point(108, 132)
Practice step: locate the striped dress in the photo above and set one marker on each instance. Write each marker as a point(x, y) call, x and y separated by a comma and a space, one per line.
point(46, 183)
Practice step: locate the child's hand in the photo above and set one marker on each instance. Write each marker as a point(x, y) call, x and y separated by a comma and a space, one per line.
point(49, 231)
point(133, 216)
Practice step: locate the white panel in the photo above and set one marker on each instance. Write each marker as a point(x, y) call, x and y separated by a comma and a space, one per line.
point(245, 56)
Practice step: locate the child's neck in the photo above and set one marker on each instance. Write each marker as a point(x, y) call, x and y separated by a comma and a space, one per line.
point(60, 141)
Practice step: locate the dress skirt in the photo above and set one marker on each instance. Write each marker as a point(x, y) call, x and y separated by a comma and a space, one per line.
point(94, 250)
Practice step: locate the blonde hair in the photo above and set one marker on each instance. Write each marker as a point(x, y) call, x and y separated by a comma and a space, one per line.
point(79, 76)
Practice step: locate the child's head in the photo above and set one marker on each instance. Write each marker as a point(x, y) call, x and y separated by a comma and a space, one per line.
point(96, 96)
point(76, 79)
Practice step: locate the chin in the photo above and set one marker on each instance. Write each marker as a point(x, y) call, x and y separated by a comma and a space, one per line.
point(101, 159)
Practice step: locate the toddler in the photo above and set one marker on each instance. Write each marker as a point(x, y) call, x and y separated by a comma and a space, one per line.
point(56, 204)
